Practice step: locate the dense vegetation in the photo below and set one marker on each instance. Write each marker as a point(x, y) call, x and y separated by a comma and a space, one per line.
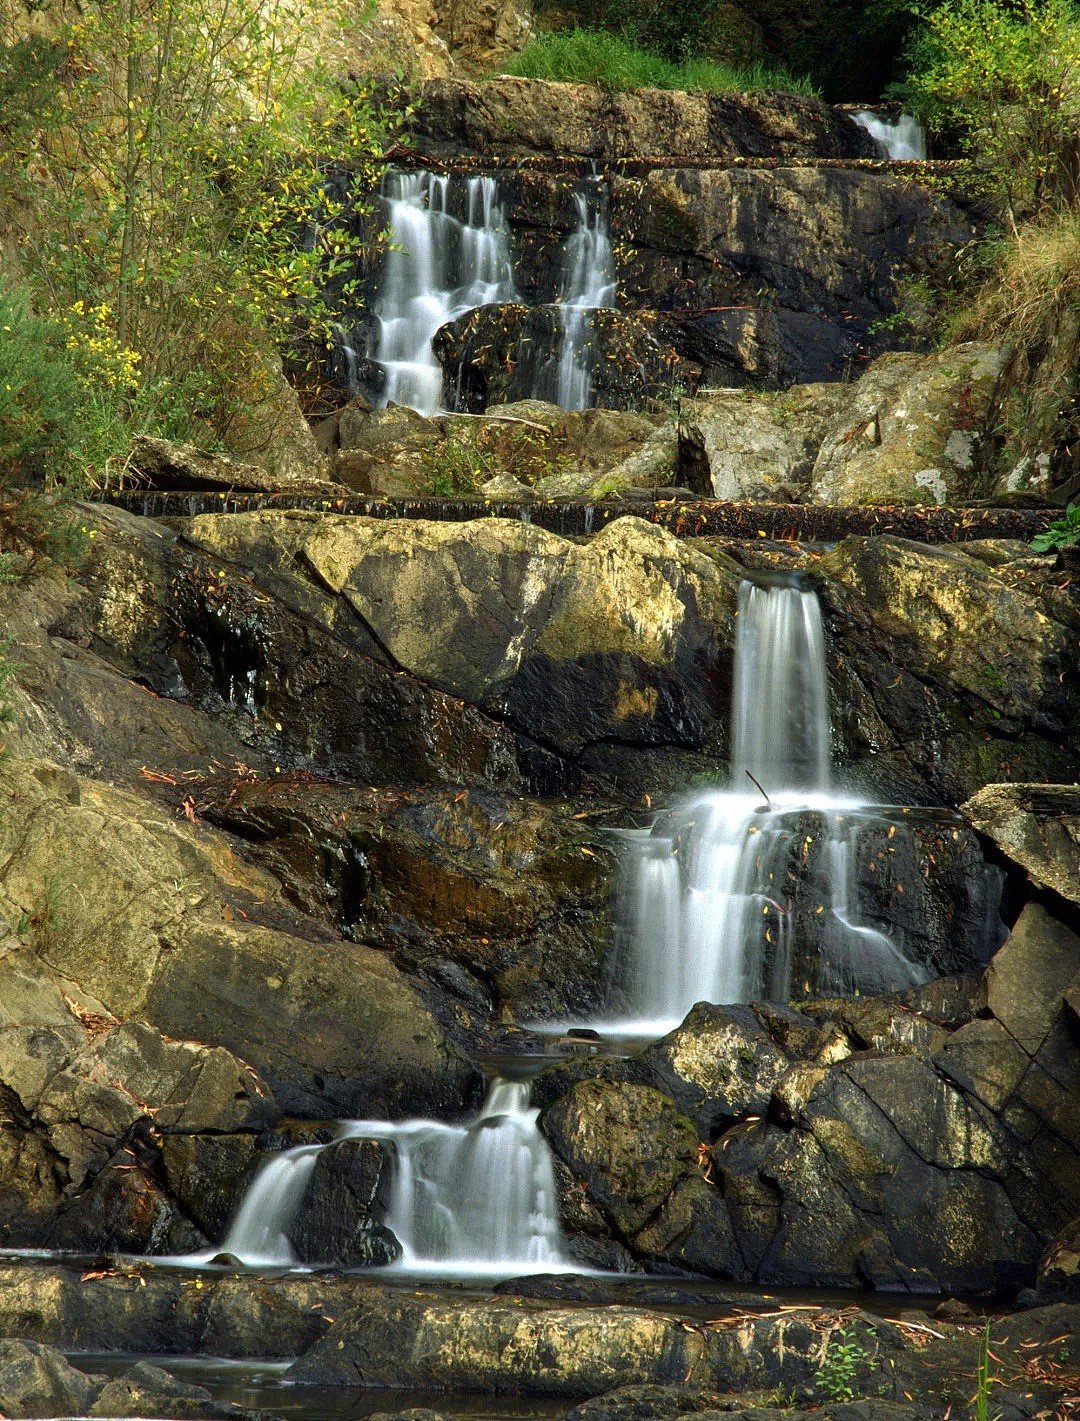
point(169, 188)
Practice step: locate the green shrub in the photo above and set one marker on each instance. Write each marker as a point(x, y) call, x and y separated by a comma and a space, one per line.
point(590, 56)
point(1062, 533)
point(1003, 77)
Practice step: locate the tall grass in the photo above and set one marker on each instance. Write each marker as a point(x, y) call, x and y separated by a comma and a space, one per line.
point(583, 56)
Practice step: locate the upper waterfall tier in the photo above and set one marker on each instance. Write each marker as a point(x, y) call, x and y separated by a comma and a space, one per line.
point(438, 266)
point(449, 255)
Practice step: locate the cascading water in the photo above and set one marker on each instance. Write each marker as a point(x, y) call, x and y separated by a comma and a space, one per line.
point(589, 286)
point(449, 251)
point(901, 136)
point(438, 267)
point(476, 1198)
point(707, 911)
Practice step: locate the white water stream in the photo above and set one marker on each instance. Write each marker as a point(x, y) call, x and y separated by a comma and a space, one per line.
point(440, 265)
point(590, 286)
point(898, 136)
point(464, 1199)
point(705, 908)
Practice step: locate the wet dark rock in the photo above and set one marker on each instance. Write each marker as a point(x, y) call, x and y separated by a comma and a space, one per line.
point(904, 1141)
point(519, 117)
point(496, 354)
point(334, 1223)
point(208, 1175)
point(497, 900)
point(1059, 1267)
point(37, 1381)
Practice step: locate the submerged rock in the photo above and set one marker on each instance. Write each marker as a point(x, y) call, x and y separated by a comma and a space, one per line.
point(38, 1381)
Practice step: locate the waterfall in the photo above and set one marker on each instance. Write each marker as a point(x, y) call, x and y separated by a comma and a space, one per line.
point(590, 285)
point(707, 907)
point(477, 1198)
point(901, 136)
point(449, 251)
point(438, 266)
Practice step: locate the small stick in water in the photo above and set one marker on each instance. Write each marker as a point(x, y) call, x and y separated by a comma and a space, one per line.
point(757, 785)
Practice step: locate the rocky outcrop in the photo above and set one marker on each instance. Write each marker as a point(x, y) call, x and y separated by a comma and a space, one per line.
point(480, 35)
point(517, 117)
point(528, 448)
point(916, 428)
point(86, 1104)
point(190, 951)
point(161, 464)
point(618, 639)
point(971, 648)
point(897, 1142)
point(911, 429)
point(739, 445)
point(1037, 826)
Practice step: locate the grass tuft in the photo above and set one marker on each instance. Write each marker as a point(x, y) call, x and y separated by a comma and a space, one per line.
point(582, 56)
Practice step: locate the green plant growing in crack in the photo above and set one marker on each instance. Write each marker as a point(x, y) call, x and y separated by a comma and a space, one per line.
point(1064, 532)
point(984, 1382)
point(40, 924)
point(840, 1365)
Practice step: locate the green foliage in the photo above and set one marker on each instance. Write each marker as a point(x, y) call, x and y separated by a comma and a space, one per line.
point(840, 1366)
point(1003, 78)
point(983, 1380)
point(1062, 533)
point(593, 56)
point(189, 162)
point(458, 468)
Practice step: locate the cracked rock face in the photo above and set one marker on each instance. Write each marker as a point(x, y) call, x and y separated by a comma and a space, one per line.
point(902, 1142)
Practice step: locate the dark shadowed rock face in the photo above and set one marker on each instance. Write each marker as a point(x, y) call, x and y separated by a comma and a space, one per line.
point(921, 1141)
point(528, 116)
point(335, 1222)
point(495, 354)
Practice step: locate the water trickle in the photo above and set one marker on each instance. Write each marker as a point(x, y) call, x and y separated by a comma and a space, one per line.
point(258, 1233)
point(439, 266)
point(900, 136)
point(475, 1198)
point(708, 908)
point(589, 286)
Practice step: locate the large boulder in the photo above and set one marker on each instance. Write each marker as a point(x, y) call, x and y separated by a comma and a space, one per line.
point(915, 429)
point(87, 1103)
point(616, 639)
point(1035, 825)
point(158, 920)
point(966, 648)
point(741, 445)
